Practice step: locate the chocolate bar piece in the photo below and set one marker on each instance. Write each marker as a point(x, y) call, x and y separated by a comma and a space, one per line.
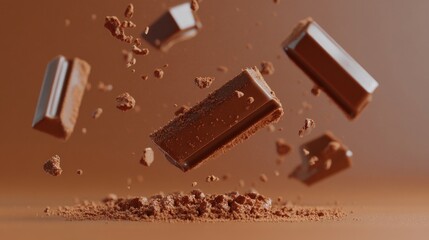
point(178, 24)
point(60, 97)
point(225, 118)
point(330, 67)
point(322, 158)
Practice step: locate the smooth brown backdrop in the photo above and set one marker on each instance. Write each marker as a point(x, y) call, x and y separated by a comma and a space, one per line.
point(388, 37)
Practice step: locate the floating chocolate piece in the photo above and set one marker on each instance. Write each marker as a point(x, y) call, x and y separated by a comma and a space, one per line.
point(60, 97)
point(330, 67)
point(219, 122)
point(322, 158)
point(178, 24)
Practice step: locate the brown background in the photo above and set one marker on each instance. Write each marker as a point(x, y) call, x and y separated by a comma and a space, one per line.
point(388, 37)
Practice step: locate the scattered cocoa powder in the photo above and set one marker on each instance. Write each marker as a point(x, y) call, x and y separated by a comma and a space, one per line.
point(147, 158)
point(309, 124)
point(125, 102)
point(204, 82)
point(129, 11)
point(282, 147)
point(212, 178)
point(267, 68)
point(97, 113)
point(196, 206)
point(52, 166)
point(194, 5)
point(158, 73)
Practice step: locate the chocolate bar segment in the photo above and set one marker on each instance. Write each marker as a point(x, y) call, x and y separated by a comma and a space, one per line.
point(330, 67)
point(219, 122)
point(178, 24)
point(61, 95)
point(322, 158)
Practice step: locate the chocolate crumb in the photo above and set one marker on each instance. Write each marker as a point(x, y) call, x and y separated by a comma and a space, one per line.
point(183, 109)
point(282, 147)
point(241, 183)
point(263, 178)
point(276, 1)
point(137, 42)
point(225, 177)
point(239, 94)
point(222, 69)
point(79, 172)
point(204, 82)
point(105, 88)
point(305, 151)
point(158, 73)
point(146, 30)
point(140, 51)
point(144, 77)
point(271, 128)
point(97, 113)
point(250, 100)
point(52, 166)
point(128, 24)
point(125, 102)
point(313, 160)
point(67, 22)
point(197, 206)
point(166, 65)
point(280, 160)
point(276, 173)
point(84, 130)
point(316, 91)
point(267, 68)
point(194, 184)
point(309, 124)
point(328, 164)
point(47, 210)
point(129, 11)
point(212, 178)
point(194, 5)
point(93, 16)
point(147, 158)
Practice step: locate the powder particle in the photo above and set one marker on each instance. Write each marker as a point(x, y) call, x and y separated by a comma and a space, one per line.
point(97, 113)
point(140, 51)
point(194, 5)
point(79, 172)
point(276, 1)
point(52, 166)
point(144, 77)
point(250, 100)
point(239, 94)
point(67, 22)
point(183, 109)
point(146, 30)
point(158, 73)
point(263, 178)
point(267, 68)
point(127, 55)
point(309, 124)
point(197, 206)
point(305, 151)
point(125, 102)
point(212, 178)
point(276, 173)
point(204, 82)
point(147, 158)
point(316, 91)
point(129, 11)
point(84, 130)
point(47, 210)
point(194, 184)
point(166, 65)
point(94, 17)
point(271, 128)
point(282, 147)
point(222, 69)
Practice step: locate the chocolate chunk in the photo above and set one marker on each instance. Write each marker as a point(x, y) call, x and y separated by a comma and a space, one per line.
point(140, 51)
point(316, 91)
point(330, 67)
point(267, 68)
point(129, 11)
point(194, 5)
point(52, 166)
point(158, 73)
point(194, 184)
point(125, 102)
point(177, 24)
point(282, 147)
point(79, 172)
point(97, 113)
point(148, 157)
point(327, 156)
point(60, 97)
point(219, 122)
point(309, 124)
point(204, 82)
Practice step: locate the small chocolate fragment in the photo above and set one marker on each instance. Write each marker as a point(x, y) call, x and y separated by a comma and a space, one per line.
point(330, 67)
point(147, 158)
point(158, 73)
point(60, 97)
point(327, 157)
point(239, 94)
point(125, 102)
point(316, 91)
point(194, 184)
point(183, 109)
point(212, 178)
point(282, 147)
point(97, 113)
point(219, 122)
point(79, 172)
point(309, 124)
point(140, 51)
point(204, 82)
point(194, 5)
point(267, 68)
point(263, 178)
point(222, 69)
point(129, 11)
point(52, 166)
point(178, 24)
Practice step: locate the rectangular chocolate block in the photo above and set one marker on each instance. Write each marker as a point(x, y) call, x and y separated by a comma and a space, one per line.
point(225, 118)
point(178, 24)
point(330, 67)
point(326, 157)
point(61, 95)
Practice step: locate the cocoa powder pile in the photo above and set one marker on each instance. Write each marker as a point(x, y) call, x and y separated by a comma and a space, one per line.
point(196, 207)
